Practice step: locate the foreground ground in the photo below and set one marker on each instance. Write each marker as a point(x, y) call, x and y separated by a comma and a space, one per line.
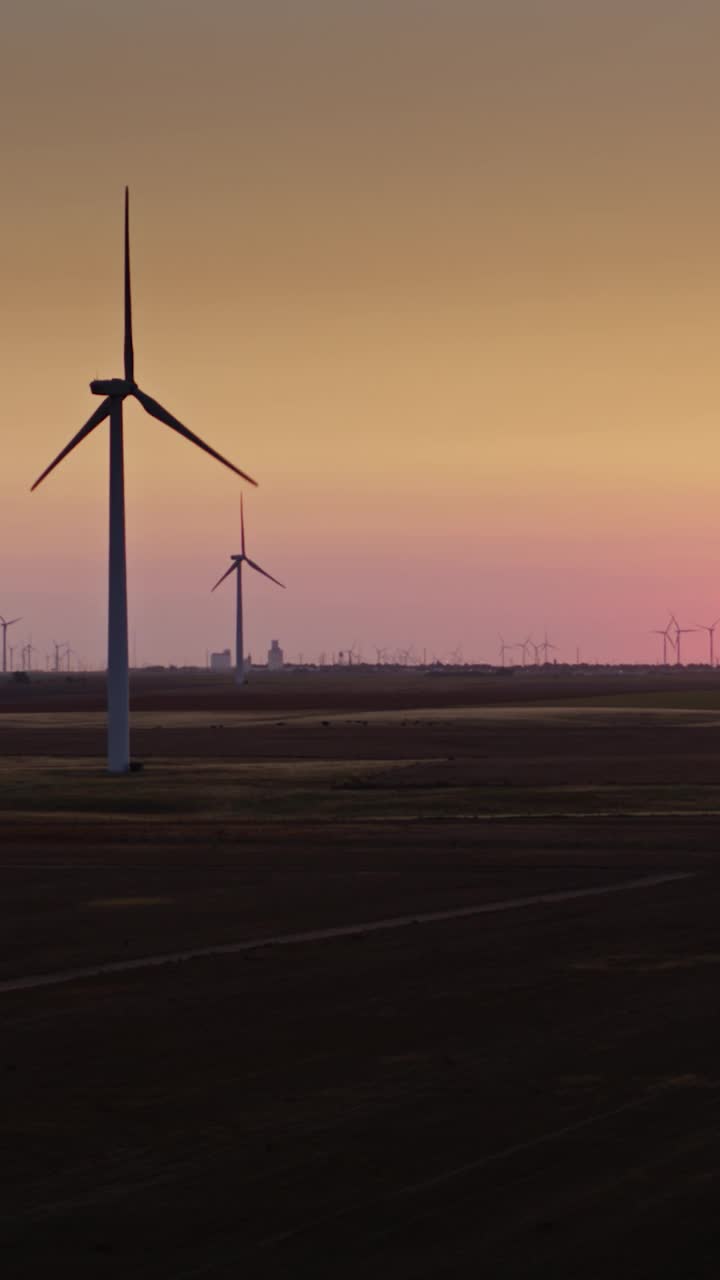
point(529, 1090)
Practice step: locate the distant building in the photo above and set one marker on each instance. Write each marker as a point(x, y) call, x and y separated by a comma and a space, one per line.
point(276, 658)
point(220, 661)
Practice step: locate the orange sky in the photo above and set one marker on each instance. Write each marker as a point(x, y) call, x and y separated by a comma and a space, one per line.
point(442, 274)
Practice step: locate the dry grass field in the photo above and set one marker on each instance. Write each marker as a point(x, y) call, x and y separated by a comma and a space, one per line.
point(215, 1063)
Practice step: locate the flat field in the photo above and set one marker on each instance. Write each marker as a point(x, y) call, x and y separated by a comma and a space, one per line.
point(362, 974)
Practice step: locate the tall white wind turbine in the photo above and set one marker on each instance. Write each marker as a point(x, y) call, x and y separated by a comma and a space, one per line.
point(5, 623)
point(236, 567)
point(114, 392)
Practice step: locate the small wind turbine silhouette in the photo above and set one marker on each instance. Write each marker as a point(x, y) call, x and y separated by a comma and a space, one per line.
point(523, 645)
point(58, 655)
point(5, 623)
point(679, 631)
point(353, 655)
point(504, 648)
point(236, 567)
point(711, 636)
point(665, 637)
point(115, 391)
point(546, 645)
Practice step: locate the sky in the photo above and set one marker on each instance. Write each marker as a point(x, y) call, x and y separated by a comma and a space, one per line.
point(443, 275)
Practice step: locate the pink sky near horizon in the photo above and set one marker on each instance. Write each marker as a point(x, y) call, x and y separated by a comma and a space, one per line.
point(443, 276)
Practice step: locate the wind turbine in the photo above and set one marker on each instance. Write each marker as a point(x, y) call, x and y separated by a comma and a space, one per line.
point(546, 645)
point(62, 645)
point(679, 631)
point(5, 623)
point(353, 655)
point(28, 650)
point(523, 645)
point(114, 392)
point(504, 648)
point(236, 567)
point(665, 637)
point(711, 636)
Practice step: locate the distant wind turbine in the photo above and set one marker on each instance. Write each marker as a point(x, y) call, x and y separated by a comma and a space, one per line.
point(666, 636)
point(546, 646)
point(5, 623)
point(711, 636)
point(27, 652)
point(115, 391)
point(504, 648)
point(58, 656)
point(523, 645)
point(236, 567)
point(679, 631)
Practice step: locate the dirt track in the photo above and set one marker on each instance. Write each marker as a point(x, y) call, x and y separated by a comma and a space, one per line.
point(529, 1093)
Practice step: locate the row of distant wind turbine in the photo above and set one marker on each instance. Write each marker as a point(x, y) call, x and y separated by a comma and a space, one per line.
point(114, 392)
point(544, 648)
point(63, 652)
point(675, 640)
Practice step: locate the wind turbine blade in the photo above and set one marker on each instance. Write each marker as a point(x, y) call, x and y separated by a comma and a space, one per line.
point(99, 415)
point(226, 574)
point(257, 568)
point(242, 527)
point(156, 411)
point(129, 352)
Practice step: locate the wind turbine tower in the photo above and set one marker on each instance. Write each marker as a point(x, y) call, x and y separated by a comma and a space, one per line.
point(666, 636)
point(679, 631)
point(236, 567)
point(546, 646)
point(58, 656)
point(114, 392)
point(504, 648)
point(5, 623)
point(523, 646)
point(711, 637)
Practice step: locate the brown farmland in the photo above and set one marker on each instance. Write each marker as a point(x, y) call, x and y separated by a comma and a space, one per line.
point(527, 1087)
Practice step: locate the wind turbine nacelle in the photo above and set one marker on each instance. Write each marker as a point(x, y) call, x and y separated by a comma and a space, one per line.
point(111, 387)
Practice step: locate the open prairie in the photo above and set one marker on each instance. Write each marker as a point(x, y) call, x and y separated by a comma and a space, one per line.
point(363, 973)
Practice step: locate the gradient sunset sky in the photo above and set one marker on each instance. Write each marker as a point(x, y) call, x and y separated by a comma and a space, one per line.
point(444, 275)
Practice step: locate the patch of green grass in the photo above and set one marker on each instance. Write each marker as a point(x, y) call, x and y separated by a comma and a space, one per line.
point(344, 791)
point(268, 790)
point(659, 700)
